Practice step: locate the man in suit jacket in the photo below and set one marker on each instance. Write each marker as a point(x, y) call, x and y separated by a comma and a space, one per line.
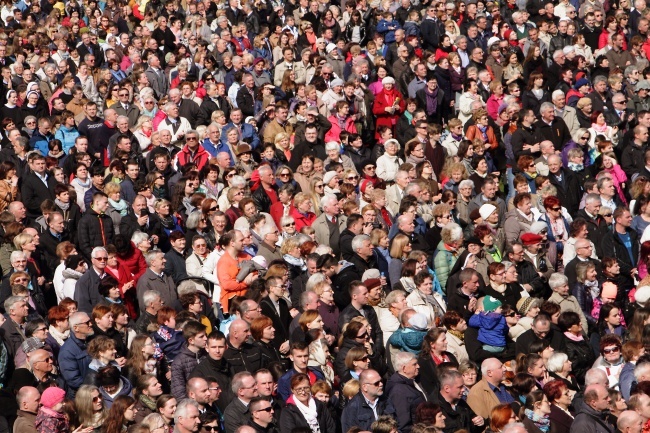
point(186, 107)
point(125, 108)
point(275, 307)
point(87, 47)
point(395, 193)
point(156, 76)
point(37, 187)
point(248, 133)
point(330, 224)
point(211, 103)
point(246, 95)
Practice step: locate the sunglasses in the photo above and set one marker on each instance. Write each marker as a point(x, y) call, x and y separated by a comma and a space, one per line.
point(289, 225)
point(556, 209)
point(212, 209)
point(364, 335)
point(266, 409)
point(353, 177)
point(101, 259)
point(612, 350)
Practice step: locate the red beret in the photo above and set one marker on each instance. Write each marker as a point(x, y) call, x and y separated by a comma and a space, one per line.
point(531, 239)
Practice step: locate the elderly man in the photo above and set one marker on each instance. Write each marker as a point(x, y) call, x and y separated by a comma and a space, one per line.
point(629, 421)
point(623, 244)
point(244, 387)
point(396, 192)
point(566, 182)
point(403, 392)
point(565, 112)
point(73, 357)
point(28, 399)
point(240, 354)
point(152, 302)
point(541, 330)
point(157, 78)
point(329, 225)
point(186, 417)
point(489, 391)
point(155, 279)
point(590, 416)
point(86, 291)
point(363, 257)
point(369, 404)
point(268, 248)
point(13, 327)
point(552, 128)
point(267, 192)
point(176, 125)
point(488, 194)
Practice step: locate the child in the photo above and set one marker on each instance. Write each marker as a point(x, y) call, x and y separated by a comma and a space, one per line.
point(168, 339)
point(50, 417)
point(245, 166)
point(492, 326)
point(611, 166)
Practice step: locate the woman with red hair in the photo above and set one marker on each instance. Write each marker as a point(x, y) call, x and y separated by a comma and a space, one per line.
point(560, 397)
point(501, 416)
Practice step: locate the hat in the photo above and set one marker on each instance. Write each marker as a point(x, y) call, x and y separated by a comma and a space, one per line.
point(319, 40)
point(493, 40)
point(330, 47)
point(328, 177)
point(507, 33)
point(486, 210)
point(531, 239)
point(642, 294)
point(31, 344)
point(581, 82)
point(418, 321)
point(372, 283)
point(388, 80)
point(313, 109)
point(473, 240)
point(643, 84)
point(337, 82)
point(364, 184)
point(242, 148)
point(609, 290)
point(583, 102)
point(475, 214)
point(524, 304)
point(370, 273)
point(538, 226)
point(491, 303)
point(258, 60)
point(250, 119)
point(503, 107)
point(568, 49)
point(52, 396)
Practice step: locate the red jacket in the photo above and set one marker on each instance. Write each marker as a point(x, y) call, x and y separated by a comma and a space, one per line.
point(277, 211)
point(383, 118)
point(201, 157)
point(129, 298)
point(134, 262)
point(302, 220)
point(334, 134)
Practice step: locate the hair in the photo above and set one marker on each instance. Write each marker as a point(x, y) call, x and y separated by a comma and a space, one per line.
point(115, 417)
point(258, 325)
point(84, 404)
point(500, 416)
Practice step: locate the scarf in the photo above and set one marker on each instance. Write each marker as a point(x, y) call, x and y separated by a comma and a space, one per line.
point(83, 184)
point(309, 412)
point(456, 137)
point(593, 288)
point(167, 222)
point(386, 216)
point(541, 422)
point(408, 284)
point(432, 100)
point(121, 206)
point(295, 261)
point(459, 335)
point(148, 402)
point(500, 288)
point(571, 336)
point(64, 206)
point(599, 128)
point(483, 130)
point(318, 358)
point(59, 336)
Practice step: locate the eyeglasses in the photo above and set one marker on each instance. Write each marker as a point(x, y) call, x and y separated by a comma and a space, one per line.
point(97, 399)
point(611, 350)
point(191, 138)
point(285, 174)
point(584, 138)
point(149, 102)
point(268, 409)
point(556, 209)
point(319, 186)
point(364, 359)
point(364, 335)
point(211, 427)
point(607, 215)
point(41, 329)
point(289, 225)
point(123, 94)
point(303, 390)
point(379, 382)
point(101, 259)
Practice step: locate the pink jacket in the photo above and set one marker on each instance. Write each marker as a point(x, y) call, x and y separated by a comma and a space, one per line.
point(618, 177)
point(335, 131)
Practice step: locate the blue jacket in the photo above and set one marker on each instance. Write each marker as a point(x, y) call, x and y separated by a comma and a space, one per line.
point(127, 389)
point(358, 413)
point(39, 142)
point(67, 137)
point(383, 28)
point(407, 340)
point(492, 328)
point(249, 134)
point(626, 380)
point(73, 362)
point(284, 384)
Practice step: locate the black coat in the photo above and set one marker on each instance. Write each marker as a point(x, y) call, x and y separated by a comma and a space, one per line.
point(281, 321)
point(94, 230)
point(48, 245)
point(317, 150)
point(360, 157)
point(428, 377)
point(530, 101)
point(612, 246)
point(405, 397)
point(557, 132)
point(34, 192)
point(568, 191)
point(556, 339)
point(262, 199)
point(218, 369)
point(459, 417)
point(581, 355)
point(292, 418)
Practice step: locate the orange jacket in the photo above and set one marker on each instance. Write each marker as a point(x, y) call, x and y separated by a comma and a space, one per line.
point(227, 270)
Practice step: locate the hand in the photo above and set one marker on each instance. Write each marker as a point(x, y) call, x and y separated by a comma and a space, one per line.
point(478, 421)
point(472, 304)
point(250, 278)
point(81, 429)
point(330, 339)
point(534, 148)
point(155, 239)
point(284, 347)
point(40, 280)
point(367, 228)
point(14, 180)
point(528, 287)
point(634, 272)
point(294, 312)
point(128, 286)
point(368, 347)
point(451, 103)
point(121, 361)
point(382, 281)
point(168, 375)
point(143, 220)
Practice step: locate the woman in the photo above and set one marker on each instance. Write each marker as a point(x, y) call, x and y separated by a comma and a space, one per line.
point(533, 364)
point(356, 361)
point(424, 300)
point(389, 162)
point(8, 184)
point(609, 321)
point(467, 98)
point(263, 334)
point(527, 307)
point(166, 407)
point(500, 416)
point(305, 173)
point(59, 329)
point(610, 28)
point(327, 309)
point(102, 351)
point(356, 334)
point(399, 251)
point(434, 352)
point(303, 410)
point(456, 327)
point(559, 368)
point(388, 106)
point(210, 184)
point(611, 359)
point(578, 349)
point(586, 289)
point(140, 360)
point(534, 63)
point(535, 94)
point(291, 254)
point(90, 407)
point(495, 99)
point(11, 110)
point(535, 413)
point(599, 127)
point(121, 415)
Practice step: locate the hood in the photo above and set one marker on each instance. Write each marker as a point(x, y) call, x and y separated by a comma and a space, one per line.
point(344, 265)
point(71, 273)
point(408, 339)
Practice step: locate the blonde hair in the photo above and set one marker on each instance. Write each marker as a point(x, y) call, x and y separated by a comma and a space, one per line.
point(281, 136)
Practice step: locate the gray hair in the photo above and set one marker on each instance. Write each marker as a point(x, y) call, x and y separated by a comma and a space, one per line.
point(630, 69)
point(238, 381)
point(392, 296)
point(266, 229)
point(466, 183)
point(286, 220)
point(460, 39)
point(193, 219)
point(304, 297)
point(238, 181)
point(546, 106)
point(332, 145)
point(595, 375)
point(358, 240)
point(449, 377)
point(15, 255)
point(168, 106)
point(641, 370)
point(592, 197)
point(514, 427)
point(11, 301)
point(151, 256)
point(183, 406)
point(401, 359)
point(557, 54)
point(410, 187)
point(75, 318)
point(150, 296)
point(557, 93)
point(600, 79)
point(323, 249)
point(557, 280)
point(185, 287)
point(98, 250)
point(139, 237)
point(452, 232)
point(327, 200)
point(315, 279)
point(556, 362)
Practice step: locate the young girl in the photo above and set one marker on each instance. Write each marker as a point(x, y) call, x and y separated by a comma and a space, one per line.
point(611, 166)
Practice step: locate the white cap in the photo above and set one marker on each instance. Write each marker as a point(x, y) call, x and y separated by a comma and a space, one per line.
point(486, 210)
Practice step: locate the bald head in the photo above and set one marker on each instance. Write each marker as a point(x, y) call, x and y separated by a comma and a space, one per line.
point(28, 399)
point(629, 421)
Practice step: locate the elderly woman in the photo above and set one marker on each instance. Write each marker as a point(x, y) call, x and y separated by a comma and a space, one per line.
point(141, 241)
point(388, 312)
point(527, 308)
point(389, 163)
point(424, 300)
point(388, 106)
point(456, 327)
point(447, 251)
point(586, 288)
point(304, 411)
point(301, 212)
point(327, 308)
point(559, 367)
point(334, 155)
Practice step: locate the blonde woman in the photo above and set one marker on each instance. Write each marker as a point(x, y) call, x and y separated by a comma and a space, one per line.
point(143, 132)
point(90, 407)
point(316, 191)
point(283, 146)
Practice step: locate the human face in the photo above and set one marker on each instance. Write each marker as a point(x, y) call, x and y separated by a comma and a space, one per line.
point(302, 391)
point(440, 344)
point(538, 369)
point(98, 402)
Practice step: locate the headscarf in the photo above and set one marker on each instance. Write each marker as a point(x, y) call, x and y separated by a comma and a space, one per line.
point(8, 95)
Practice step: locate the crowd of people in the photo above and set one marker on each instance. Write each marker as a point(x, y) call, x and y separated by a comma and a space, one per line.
point(311, 216)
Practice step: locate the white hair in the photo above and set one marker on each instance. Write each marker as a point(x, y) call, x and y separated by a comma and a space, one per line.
point(556, 362)
point(557, 93)
point(332, 145)
point(266, 229)
point(182, 407)
point(358, 240)
point(150, 296)
point(401, 359)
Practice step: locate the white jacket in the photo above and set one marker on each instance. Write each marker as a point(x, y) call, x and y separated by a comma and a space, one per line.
point(387, 322)
point(387, 167)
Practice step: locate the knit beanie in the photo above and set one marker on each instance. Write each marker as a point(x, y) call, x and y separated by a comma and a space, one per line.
point(52, 396)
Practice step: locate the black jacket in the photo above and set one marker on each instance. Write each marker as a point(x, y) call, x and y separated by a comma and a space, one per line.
point(557, 132)
point(218, 369)
point(317, 150)
point(357, 413)
point(554, 337)
point(281, 321)
point(34, 192)
point(360, 157)
point(523, 136)
point(568, 191)
point(581, 355)
point(612, 246)
point(246, 102)
point(292, 418)
point(405, 397)
point(459, 417)
point(428, 377)
point(262, 199)
point(48, 243)
point(247, 358)
point(95, 230)
point(377, 334)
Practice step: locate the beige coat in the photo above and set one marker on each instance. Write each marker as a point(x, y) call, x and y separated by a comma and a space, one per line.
point(393, 198)
point(322, 229)
point(570, 303)
point(482, 399)
point(456, 347)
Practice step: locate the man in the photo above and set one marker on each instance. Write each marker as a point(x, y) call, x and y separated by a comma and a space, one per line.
point(584, 252)
point(404, 393)
point(214, 365)
point(633, 156)
point(526, 271)
point(268, 248)
point(193, 152)
point(368, 405)
point(28, 399)
point(623, 244)
point(458, 413)
point(86, 291)
point(155, 279)
point(266, 193)
point(287, 64)
point(299, 356)
point(190, 355)
point(519, 220)
point(73, 357)
point(488, 194)
point(541, 330)
point(566, 113)
point(211, 103)
point(38, 370)
point(432, 29)
point(246, 95)
point(311, 145)
point(95, 227)
point(247, 132)
point(552, 128)
point(125, 108)
point(37, 186)
point(489, 391)
point(158, 80)
point(198, 390)
point(329, 224)
point(266, 387)
point(138, 220)
point(359, 307)
point(419, 81)
point(244, 387)
point(42, 136)
point(590, 416)
point(152, 304)
point(175, 258)
point(50, 238)
point(526, 140)
point(396, 192)
point(566, 182)
point(596, 224)
point(249, 310)
point(187, 108)
point(176, 125)
point(186, 417)
point(240, 354)
point(463, 300)
point(617, 56)
point(276, 308)
point(629, 421)
point(562, 296)
point(363, 257)
point(278, 124)
point(228, 268)
point(14, 325)
point(262, 415)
